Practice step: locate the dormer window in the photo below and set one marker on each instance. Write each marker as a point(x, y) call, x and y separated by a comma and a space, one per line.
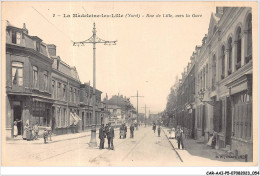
point(16, 37)
point(38, 46)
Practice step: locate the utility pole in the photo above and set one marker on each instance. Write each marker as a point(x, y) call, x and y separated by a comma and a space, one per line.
point(145, 114)
point(94, 40)
point(137, 96)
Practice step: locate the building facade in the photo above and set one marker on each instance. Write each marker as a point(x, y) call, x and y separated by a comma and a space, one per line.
point(185, 110)
point(224, 80)
point(42, 88)
point(28, 80)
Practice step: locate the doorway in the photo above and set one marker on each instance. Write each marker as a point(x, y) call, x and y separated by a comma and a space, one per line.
point(203, 120)
point(82, 117)
point(17, 110)
point(193, 124)
point(228, 122)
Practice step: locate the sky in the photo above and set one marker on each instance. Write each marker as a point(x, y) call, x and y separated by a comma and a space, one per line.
point(150, 51)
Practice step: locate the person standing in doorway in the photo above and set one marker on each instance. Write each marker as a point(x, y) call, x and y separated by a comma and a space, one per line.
point(15, 127)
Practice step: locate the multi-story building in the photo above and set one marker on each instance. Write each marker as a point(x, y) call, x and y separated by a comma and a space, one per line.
point(185, 110)
point(66, 94)
point(224, 80)
point(28, 80)
point(42, 88)
point(86, 107)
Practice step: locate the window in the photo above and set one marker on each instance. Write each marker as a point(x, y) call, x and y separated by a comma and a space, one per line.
point(64, 92)
point(229, 56)
point(223, 62)
point(238, 35)
point(35, 77)
point(249, 38)
point(53, 89)
point(16, 37)
point(38, 46)
point(71, 94)
point(45, 79)
point(74, 96)
point(17, 73)
point(213, 72)
point(58, 90)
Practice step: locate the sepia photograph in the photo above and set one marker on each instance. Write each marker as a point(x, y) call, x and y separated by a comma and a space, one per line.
point(129, 84)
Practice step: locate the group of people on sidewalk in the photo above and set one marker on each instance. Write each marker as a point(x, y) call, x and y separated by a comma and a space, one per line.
point(158, 129)
point(30, 133)
point(178, 135)
point(106, 132)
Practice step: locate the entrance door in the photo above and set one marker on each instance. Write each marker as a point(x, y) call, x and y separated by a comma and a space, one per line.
point(193, 124)
point(82, 117)
point(17, 116)
point(48, 117)
point(228, 122)
point(203, 120)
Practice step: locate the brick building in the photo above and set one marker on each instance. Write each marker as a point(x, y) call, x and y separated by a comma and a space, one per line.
point(28, 80)
point(42, 88)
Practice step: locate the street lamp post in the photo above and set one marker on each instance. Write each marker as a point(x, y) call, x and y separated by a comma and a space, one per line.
point(94, 40)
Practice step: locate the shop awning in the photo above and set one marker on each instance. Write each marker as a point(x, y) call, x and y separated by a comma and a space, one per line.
point(74, 119)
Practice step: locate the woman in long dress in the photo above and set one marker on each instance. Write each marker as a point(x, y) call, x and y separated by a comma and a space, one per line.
point(25, 130)
point(15, 129)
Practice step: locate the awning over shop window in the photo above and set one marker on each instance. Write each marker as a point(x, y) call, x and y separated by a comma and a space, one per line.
point(74, 119)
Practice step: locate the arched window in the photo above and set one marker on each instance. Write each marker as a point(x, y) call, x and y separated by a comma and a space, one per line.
point(249, 37)
point(229, 56)
point(222, 62)
point(213, 71)
point(238, 36)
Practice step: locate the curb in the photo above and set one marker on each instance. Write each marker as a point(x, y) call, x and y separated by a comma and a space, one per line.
point(54, 141)
point(173, 147)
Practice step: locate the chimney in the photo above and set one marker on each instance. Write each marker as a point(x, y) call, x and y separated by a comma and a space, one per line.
point(52, 49)
point(24, 29)
point(220, 10)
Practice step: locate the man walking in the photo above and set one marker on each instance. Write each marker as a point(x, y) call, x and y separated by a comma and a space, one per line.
point(154, 127)
point(159, 130)
point(132, 128)
point(102, 137)
point(179, 136)
point(110, 137)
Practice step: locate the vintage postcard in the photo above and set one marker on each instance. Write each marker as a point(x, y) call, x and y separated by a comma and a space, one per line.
point(129, 84)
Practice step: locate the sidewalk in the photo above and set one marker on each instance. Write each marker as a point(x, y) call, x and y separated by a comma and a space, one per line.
point(199, 152)
point(55, 138)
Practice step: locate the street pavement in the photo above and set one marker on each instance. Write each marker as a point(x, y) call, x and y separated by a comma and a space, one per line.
point(196, 152)
point(145, 149)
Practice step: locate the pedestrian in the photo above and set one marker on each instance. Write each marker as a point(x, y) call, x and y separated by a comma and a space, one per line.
point(110, 137)
point(102, 137)
point(25, 130)
point(159, 130)
point(29, 135)
point(36, 131)
point(179, 136)
point(15, 127)
point(45, 136)
point(154, 127)
point(132, 128)
point(125, 129)
point(49, 130)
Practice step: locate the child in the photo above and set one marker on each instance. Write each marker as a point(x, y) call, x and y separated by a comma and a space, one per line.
point(45, 136)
